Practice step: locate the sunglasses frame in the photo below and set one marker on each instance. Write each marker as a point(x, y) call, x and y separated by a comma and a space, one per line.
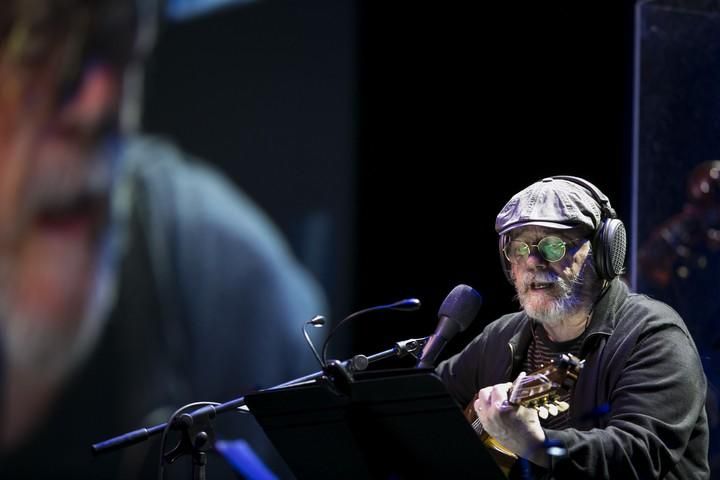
point(536, 245)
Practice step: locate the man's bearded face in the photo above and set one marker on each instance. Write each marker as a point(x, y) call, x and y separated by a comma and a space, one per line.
point(552, 291)
point(52, 187)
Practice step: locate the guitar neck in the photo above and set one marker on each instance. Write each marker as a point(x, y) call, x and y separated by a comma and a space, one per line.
point(541, 390)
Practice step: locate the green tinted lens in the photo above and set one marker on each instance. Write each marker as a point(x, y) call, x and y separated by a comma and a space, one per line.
point(516, 251)
point(551, 248)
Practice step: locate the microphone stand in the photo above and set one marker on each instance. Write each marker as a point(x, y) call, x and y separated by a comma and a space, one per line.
point(197, 435)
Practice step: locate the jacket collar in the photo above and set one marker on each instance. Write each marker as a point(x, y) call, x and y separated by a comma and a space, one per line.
point(605, 312)
point(519, 343)
point(601, 324)
point(604, 315)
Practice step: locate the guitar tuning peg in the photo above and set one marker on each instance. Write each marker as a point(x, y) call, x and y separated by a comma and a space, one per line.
point(553, 409)
point(542, 412)
point(562, 406)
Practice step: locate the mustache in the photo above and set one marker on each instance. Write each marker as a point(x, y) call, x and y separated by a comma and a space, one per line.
point(56, 190)
point(63, 186)
point(540, 277)
point(565, 284)
point(526, 279)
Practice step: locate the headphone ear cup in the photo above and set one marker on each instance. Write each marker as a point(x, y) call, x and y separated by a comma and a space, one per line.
point(610, 247)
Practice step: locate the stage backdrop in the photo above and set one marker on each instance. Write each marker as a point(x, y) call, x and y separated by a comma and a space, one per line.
point(265, 91)
point(676, 208)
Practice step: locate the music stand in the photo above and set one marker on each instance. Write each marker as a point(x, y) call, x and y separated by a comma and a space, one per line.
point(388, 424)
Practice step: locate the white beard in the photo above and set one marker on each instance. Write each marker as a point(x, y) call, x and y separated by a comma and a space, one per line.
point(51, 351)
point(31, 347)
point(572, 294)
point(38, 360)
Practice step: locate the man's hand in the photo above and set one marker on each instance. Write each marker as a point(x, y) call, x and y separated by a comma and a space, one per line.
point(516, 428)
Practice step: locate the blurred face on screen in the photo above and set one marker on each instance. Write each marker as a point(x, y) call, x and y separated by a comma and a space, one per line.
point(56, 107)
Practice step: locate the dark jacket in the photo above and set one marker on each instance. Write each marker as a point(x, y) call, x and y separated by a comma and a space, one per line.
point(638, 408)
point(210, 303)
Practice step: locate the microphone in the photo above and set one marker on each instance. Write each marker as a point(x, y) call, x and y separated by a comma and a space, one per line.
point(406, 305)
point(456, 313)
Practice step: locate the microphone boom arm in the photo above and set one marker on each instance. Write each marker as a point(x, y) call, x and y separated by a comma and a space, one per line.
point(400, 349)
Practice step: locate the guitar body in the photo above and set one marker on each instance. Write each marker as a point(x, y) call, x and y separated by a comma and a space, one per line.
point(504, 458)
point(539, 390)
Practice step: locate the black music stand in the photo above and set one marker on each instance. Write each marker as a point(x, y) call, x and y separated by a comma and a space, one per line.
point(392, 424)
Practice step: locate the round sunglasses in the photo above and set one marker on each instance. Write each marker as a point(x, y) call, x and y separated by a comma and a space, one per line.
point(551, 248)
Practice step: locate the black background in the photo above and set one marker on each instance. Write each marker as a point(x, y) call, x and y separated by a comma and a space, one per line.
point(409, 123)
point(460, 109)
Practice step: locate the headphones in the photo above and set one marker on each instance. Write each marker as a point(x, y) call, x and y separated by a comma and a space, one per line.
point(609, 242)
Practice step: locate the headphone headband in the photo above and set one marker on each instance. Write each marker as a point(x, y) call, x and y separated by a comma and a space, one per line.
point(601, 198)
point(609, 242)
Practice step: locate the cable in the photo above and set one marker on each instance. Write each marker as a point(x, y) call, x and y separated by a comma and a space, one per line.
point(407, 305)
point(317, 321)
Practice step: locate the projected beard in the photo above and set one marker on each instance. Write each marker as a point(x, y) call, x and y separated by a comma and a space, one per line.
point(548, 296)
point(45, 285)
point(48, 258)
point(52, 207)
point(42, 309)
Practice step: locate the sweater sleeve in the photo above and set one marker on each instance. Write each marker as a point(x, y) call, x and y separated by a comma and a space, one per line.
point(655, 406)
point(460, 372)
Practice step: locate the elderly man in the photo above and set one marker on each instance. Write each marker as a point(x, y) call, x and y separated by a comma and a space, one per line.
point(636, 409)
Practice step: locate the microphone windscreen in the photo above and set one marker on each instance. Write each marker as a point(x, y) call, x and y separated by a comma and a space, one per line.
point(461, 305)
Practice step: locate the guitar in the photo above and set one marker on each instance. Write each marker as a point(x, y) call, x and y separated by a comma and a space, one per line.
point(541, 390)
